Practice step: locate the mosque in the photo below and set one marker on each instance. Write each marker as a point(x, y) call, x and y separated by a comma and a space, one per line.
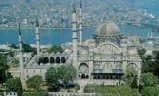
point(103, 59)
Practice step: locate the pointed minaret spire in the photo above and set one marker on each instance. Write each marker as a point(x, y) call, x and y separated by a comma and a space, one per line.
point(37, 37)
point(80, 22)
point(20, 52)
point(74, 34)
point(80, 3)
point(74, 8)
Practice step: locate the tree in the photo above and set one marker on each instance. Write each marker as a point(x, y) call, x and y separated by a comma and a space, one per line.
point(150, 91)
point(131, 76)
point(148, 79)
point(55, 49)
point(52, 79)
point(141, 52)
point(34, 82)
point(3, 68)
point(134, 82)
point(150, 63)
point(14, 84)
point(28, 48)
point(66, 74)
point(13, 46)
point(147, 64)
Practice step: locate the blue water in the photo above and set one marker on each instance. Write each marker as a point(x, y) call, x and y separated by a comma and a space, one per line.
point(47, 36)
point(150, 5)
point(59, 36)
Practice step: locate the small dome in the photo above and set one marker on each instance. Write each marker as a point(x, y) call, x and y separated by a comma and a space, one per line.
point(83, 52)
point(107, 29)
point(89, 42)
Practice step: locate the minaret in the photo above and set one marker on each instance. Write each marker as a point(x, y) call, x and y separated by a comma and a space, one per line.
point(74, 34)
point(37, 37)
point(80, 21)
point(21, 53)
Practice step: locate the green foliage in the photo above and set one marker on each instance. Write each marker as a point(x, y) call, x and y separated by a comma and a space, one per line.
point(52, 79)
point(14, 84)
point(115, 90)
point(66, 73)
point(141, 52)
point(134, 83)
point(156, 55)
point(147, 64)
point(148, 79)
point(63, 73)
point(151, 63)
point(3, 68)
point(89, 89)
point(1, 93)
point(34, 82)
point(130, 71)
point(39, 93)
point(55, 49)
point(28, 48)
point(13, 46)
point(150, 91)
point(131, 77)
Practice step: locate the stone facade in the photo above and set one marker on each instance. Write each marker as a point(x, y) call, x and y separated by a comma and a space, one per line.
point(101, 60)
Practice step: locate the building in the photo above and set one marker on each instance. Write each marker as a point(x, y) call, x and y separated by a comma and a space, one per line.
point(102, 59)
point(10, 94)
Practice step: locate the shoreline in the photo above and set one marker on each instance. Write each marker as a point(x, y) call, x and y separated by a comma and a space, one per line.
point(43, 28)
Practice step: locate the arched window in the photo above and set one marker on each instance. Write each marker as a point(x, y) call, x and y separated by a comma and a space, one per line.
point(107, 77)
point(94, 77)
point(103, 77)
point(83, 76)
point(52, 60)
point(111, 77)
point(98, 77)
point(57, 60)
point(87, 76)
point(46, 60)
point(40, 61)
point(63, 60)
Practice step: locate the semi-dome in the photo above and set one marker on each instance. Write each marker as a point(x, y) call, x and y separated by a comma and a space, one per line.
point(83, 52)
point(107, 29)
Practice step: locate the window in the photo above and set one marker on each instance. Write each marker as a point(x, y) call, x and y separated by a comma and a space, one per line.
point(58, 60)
point(46, 60)
point(94, 77)
point(103, 77)
point(63, 60)
point(52, 60)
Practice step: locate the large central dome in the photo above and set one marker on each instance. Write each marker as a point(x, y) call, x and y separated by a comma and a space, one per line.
point(107, 29)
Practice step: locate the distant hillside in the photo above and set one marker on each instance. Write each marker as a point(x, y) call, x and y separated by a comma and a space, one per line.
point(94, 11)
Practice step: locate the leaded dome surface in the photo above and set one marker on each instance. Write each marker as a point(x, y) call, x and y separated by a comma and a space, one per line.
point(107, 29)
